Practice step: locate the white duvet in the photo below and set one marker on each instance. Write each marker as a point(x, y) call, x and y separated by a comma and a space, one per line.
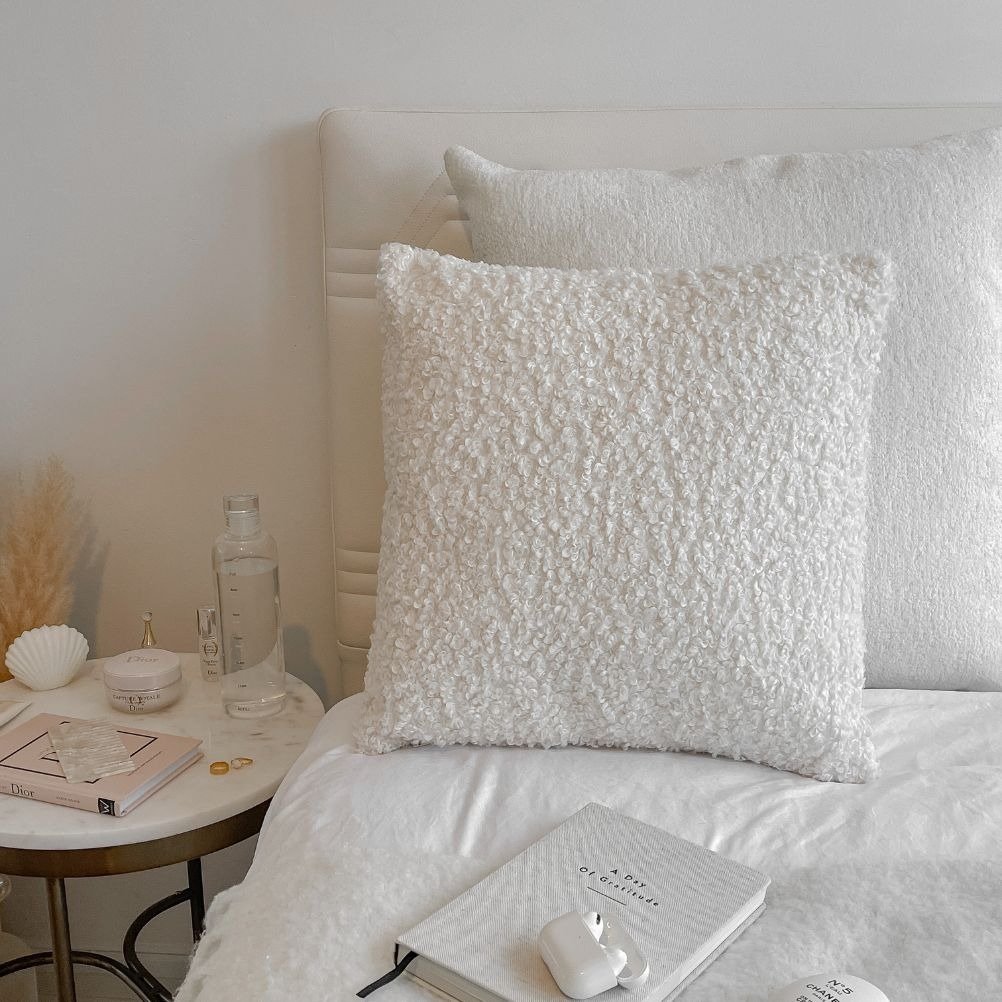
point(898, 880)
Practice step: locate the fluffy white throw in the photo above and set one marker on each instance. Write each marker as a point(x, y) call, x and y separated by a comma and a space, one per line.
point(898, 881)
point(921, 931)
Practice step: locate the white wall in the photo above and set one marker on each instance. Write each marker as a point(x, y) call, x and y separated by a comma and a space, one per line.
point(161, 306)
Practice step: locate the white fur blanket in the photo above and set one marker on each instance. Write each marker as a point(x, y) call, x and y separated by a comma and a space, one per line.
point(922, 931)
point(898, 882)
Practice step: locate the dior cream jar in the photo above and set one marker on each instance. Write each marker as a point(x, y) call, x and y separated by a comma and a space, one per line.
point(143, 681)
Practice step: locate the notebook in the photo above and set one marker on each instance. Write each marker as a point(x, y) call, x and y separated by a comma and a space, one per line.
point(681, 903)
point(30, 768)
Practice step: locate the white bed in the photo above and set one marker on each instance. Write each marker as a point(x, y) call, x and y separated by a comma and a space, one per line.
point(898, 880)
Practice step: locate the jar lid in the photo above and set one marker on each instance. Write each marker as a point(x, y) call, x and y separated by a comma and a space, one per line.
point(147, 668)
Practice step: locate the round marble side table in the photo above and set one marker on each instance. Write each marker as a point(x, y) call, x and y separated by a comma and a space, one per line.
point(193, 815)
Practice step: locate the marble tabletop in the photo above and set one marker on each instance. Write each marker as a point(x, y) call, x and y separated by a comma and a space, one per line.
point(193, 799)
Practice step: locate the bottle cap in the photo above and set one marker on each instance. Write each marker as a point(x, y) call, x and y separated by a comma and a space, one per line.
point(241, 504)
point(208, 622)
point(242, 514)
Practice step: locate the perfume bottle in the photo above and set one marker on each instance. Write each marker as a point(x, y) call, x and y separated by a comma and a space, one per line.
point(245, 561)
point(207, 635)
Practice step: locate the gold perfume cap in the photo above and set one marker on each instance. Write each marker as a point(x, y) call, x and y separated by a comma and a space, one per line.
point(149, 640)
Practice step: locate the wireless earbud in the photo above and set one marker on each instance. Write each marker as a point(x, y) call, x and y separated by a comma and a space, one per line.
point(588, 954)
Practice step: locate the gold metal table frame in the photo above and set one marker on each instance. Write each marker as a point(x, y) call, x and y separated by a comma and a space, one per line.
point(56, 865)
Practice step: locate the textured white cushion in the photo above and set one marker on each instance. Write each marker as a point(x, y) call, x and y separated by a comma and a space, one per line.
point(934, 573)
point(626, 508)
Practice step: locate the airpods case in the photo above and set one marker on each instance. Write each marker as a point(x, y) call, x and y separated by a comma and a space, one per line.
point(577, 962)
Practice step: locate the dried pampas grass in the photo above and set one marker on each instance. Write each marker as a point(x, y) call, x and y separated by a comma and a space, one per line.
point(38, 548)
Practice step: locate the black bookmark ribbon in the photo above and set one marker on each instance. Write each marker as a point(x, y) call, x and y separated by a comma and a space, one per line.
point(388, 976)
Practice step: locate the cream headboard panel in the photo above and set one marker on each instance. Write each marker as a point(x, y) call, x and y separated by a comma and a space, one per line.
point(383, 180)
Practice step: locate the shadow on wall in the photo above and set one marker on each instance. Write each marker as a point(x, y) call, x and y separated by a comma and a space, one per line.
point(87, 579)
point(299, 661)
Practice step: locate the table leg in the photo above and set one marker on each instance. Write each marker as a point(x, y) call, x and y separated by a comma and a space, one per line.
point(195, 896)
point(62, 951)
point(197, 900)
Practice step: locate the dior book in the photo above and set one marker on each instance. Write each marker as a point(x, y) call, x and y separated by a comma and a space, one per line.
point(681, 903)
point(29, 767)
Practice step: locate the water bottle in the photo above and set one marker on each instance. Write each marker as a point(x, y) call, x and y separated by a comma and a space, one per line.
point(245, 561)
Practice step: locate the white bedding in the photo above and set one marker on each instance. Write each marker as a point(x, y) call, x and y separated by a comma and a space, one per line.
point(898, 880)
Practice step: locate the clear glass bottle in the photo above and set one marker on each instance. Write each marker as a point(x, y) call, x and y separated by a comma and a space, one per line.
point(245, 561)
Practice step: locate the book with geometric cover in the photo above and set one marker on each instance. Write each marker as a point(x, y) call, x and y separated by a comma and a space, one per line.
point(29, 767)
point(682, 904)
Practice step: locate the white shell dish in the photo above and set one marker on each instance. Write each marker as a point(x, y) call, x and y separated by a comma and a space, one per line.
point(47, 657)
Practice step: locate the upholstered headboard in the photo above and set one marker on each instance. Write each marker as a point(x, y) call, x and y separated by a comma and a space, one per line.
point(383, 180)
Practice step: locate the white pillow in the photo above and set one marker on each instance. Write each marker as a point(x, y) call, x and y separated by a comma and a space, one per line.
point(934, 576)
point(626, 509)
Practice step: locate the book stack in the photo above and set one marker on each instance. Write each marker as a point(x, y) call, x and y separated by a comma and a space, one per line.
point(29, 767)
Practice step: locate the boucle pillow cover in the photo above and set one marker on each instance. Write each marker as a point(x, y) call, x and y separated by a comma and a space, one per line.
point(626, 509)
point(933, 606)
